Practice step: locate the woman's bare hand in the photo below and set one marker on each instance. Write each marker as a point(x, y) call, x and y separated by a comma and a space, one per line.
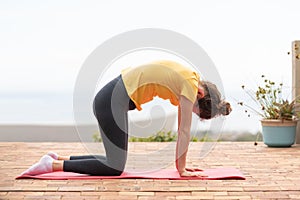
point(192, 174)
point(194, 169)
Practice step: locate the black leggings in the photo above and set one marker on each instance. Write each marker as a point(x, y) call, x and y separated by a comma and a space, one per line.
point(111, 106)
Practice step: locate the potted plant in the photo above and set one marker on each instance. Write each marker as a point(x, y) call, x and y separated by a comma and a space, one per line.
point(279, 116)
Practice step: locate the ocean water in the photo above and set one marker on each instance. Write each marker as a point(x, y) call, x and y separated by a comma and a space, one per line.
point(56, 108)
point(36, 107)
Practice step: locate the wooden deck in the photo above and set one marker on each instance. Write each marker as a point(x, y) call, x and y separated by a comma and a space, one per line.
point(272, 173)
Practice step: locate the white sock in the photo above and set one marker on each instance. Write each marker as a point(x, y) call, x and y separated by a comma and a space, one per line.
point(53, 155)
point(41, 167)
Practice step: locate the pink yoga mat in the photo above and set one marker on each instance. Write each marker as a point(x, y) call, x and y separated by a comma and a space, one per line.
point(172, 174)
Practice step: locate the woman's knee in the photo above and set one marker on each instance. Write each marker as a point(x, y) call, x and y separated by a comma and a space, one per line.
point(118, 169)
point(116, 172)
point(108, 172)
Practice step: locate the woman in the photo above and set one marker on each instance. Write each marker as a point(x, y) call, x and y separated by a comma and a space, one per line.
point(134, 87)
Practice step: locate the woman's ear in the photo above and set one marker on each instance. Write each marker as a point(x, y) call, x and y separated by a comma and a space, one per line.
point(201, 92)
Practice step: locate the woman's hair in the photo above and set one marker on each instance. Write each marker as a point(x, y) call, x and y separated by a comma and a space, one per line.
point(211, 104)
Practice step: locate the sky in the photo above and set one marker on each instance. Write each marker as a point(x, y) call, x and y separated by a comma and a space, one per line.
point(43, 44)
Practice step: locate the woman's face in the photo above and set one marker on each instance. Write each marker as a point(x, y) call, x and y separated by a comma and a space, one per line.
point(201, 92)
point(200, 95)
point(196, 109)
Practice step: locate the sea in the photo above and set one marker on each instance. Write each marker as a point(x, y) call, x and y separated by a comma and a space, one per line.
point(56, 108)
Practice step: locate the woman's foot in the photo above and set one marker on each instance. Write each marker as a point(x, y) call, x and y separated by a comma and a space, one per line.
point(41, 167)
point(53, 155)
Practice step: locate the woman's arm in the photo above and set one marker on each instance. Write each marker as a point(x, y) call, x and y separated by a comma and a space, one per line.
point(184, 126)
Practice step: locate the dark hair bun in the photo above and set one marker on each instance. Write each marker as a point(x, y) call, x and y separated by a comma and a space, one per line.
point(224, 108)
point(211, 104)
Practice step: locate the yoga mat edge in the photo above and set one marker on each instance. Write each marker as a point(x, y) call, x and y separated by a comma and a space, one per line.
point(169, 174)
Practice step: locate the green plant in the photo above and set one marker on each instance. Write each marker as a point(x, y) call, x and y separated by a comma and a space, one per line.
point(194, 139)
point(271, 104)
point(205, 138)
point(96, 137)
point(161, 136)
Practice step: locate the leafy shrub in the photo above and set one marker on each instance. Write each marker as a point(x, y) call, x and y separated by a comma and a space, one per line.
point(271, 104)
point(161, 136)
point(96, 137)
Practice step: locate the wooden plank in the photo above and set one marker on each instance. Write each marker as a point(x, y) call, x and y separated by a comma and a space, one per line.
point(296, 76)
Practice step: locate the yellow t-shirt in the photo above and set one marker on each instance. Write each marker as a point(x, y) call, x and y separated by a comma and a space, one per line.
point(165, 79)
